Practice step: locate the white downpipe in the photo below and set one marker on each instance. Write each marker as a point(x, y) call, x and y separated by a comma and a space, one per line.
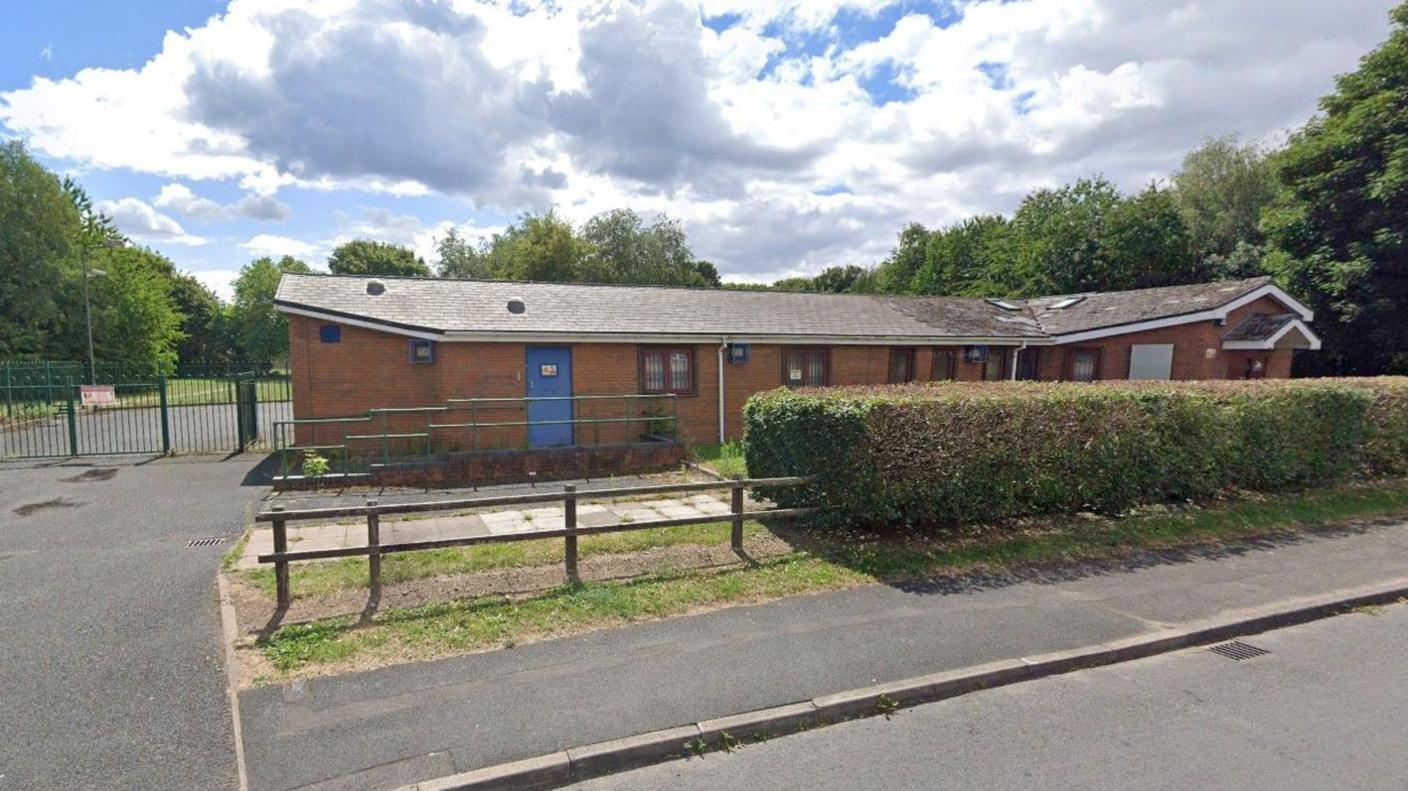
point(1015, 356)
point(721, 392)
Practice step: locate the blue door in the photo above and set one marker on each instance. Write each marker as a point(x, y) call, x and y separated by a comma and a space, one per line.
point(549, 377)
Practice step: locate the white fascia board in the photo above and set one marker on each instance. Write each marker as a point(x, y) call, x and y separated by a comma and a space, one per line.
point(371, 325)
point(1270, 343)
point(1216, 314)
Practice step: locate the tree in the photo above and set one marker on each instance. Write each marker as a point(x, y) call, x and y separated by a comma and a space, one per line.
point(1221, 189)
point(38, 234)
point(1339, 228)
point(205, 322)
point(134, 315)
point(461, 259)
point(895, 274)
point(367, 257)
point(839, 279)
point(1145, 243)
point(972, 258)
point(537, 247)
point(260, 330)
point(622, 248)
point(1058, 238)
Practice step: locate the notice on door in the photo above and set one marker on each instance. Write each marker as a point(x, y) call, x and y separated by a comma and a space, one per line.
point(98, 395)
point(547, 370)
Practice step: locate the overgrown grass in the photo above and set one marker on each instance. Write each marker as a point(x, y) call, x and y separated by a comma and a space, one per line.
point(821, 561)
point(726, 459)
point(322, 579)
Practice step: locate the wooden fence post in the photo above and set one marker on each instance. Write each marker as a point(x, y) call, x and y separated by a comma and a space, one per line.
point(374, 541)
point(736, 508)
point(569, 502)
point(281, 566)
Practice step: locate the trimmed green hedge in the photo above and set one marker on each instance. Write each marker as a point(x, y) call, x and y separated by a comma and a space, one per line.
point(959, 452)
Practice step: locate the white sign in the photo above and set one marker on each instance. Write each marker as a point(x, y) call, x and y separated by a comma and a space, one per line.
point(98, 395)
point(547, 369)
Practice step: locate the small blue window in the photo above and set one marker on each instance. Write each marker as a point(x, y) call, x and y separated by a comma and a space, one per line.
point(422, 351)
point(738, 353)
point(330, 333)
point(975, 354)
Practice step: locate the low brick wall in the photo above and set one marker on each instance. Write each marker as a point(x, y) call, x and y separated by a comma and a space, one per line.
point(490, 467)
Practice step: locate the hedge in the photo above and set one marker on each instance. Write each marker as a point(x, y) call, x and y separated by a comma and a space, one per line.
point(939, 453)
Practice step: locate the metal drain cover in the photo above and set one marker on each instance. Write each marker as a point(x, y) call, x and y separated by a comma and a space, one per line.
point(206, 542)
point(1238, 650)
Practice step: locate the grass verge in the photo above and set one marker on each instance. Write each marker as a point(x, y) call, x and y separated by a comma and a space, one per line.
point(322, 579)
point(726, 459)
point(819, 562)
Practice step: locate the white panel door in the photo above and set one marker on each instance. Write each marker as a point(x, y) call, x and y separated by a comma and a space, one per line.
point(1151, 361)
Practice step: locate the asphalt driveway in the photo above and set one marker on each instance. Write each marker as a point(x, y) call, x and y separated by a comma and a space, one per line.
point(111, 671)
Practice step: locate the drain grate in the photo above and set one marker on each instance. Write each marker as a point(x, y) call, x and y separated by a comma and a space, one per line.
point(205, 542)
point(1238, 650)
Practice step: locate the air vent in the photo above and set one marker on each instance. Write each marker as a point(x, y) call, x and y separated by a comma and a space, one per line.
point(376, 288)
point(517, 306)
point(1002, 303)
point(1066, 303)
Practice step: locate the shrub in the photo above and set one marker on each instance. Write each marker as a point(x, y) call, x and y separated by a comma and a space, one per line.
point(960, 452)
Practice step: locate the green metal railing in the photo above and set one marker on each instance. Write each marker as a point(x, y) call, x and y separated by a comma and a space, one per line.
point(188, 408)
point(393, 434)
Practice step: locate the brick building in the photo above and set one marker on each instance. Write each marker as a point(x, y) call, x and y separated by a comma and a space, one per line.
point(359, 343)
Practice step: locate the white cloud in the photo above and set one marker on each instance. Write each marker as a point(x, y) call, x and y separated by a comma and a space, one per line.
point(384, 225)
point(180, 198)
point(592, 106)
point(137, 219)
point(221, 281)
point(273, 245)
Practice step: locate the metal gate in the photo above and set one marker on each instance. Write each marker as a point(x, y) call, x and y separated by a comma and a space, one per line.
point(218, 408)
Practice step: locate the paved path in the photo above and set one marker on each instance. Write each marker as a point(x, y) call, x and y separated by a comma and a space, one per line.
point(111, 666)
point(509, 521)
point(1323, 710)
point(402, 724)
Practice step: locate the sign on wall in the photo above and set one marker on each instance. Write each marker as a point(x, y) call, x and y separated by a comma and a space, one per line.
point(547, 369)
point(98, 395)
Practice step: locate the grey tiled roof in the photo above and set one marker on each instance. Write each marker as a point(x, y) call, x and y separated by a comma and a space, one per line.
point(458, 306)
point(1259, 326)
point(1112, 308)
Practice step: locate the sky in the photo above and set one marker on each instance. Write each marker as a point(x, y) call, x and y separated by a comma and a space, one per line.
point(787, 136)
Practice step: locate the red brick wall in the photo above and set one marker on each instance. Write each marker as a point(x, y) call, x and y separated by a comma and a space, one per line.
point(370, 369)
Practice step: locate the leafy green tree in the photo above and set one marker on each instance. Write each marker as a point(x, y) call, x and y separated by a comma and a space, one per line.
point(1221, 189)
point(707, 274)
point(539, 247)
point(38, 233)
point(839, 279)
point(205, 322)
point(622, 248)
point(1058, 238)
point(1339, 229)
point(895, 275)
point(461, 259)
point(1145, 243)
point(971, 258)
point(261, 331)
point(367, 257)
point(135, 318)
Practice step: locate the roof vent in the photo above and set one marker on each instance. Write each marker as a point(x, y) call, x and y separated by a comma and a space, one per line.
point(376, 288)
point(1001, 303)
point(517, 306)
point(1067, 302)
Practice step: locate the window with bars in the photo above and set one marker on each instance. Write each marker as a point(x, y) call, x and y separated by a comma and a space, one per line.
point(806, 367)
point(901, 366)
point(945, 368)
point(1085, 365)
point(667, 370)
point(995, 367)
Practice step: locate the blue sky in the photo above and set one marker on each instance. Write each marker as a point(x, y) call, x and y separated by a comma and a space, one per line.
point(786, 135)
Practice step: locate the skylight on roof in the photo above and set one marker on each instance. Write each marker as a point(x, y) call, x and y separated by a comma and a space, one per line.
point(1067, 302)
point(1001, 303)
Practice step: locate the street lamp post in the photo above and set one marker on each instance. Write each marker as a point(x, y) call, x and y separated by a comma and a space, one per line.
point(111, 244)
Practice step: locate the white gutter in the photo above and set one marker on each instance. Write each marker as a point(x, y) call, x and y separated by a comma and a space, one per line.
point(722, 344)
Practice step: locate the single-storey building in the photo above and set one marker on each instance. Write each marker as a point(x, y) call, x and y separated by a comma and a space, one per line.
point(360, 343)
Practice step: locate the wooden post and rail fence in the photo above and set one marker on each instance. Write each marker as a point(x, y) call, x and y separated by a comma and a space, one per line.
point(570, 531)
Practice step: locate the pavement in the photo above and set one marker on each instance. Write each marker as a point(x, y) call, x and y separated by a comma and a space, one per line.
point(110, 645)
point(1322, 710)
point(508, 521)
point(403, 724)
